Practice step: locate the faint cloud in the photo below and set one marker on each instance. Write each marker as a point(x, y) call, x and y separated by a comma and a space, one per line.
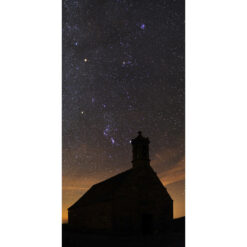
point(169, 163)
point(174, 174)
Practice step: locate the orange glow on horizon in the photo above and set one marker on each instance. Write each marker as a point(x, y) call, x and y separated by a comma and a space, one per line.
point(176, 190)
point(172, 178)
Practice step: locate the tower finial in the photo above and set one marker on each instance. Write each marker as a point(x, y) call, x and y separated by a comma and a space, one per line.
point(140, 151)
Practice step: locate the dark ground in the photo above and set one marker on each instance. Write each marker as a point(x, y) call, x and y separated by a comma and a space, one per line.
point(175, 237)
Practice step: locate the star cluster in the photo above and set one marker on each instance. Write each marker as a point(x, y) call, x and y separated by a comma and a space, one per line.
point(123, 71)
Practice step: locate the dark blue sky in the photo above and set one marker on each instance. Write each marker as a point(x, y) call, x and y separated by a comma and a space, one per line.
point(123, 71)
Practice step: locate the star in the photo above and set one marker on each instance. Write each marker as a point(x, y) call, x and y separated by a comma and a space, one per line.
point(112, 140)
point(142, 26)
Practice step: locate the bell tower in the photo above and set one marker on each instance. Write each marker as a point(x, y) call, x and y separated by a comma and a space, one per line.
point(140, 150)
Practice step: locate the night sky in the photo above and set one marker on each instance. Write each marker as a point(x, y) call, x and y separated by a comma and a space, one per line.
point(123, 71)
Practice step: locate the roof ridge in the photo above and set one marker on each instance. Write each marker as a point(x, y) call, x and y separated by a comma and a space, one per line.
point(114, 177)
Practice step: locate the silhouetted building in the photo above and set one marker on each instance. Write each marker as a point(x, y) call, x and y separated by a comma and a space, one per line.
point(132, 201)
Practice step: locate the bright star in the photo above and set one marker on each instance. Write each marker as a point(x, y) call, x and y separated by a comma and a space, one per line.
point(143, 26)
point(112, 140)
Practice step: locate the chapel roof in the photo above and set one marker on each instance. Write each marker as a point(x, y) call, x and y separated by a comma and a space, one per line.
point(104, 190)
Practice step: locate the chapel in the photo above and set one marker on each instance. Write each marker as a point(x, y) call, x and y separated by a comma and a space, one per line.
point(134, 201)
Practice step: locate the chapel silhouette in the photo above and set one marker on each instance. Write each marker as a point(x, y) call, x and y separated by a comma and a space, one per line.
point(134, 201)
